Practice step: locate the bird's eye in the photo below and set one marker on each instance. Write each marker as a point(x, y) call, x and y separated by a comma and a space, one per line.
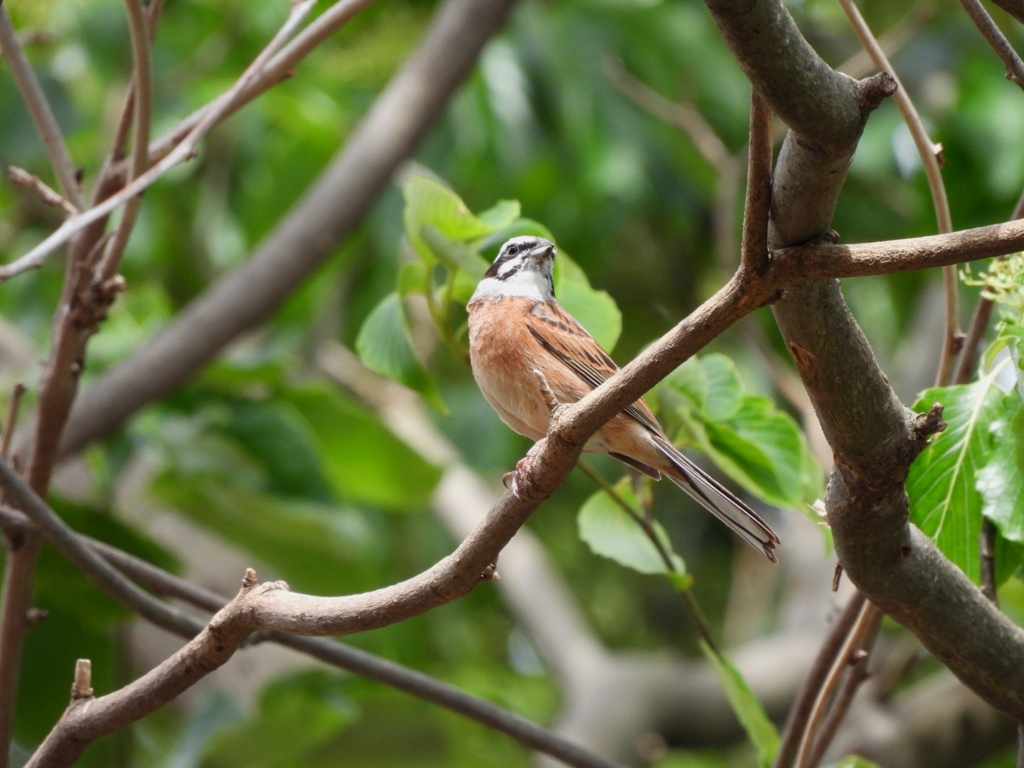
point(513, 250)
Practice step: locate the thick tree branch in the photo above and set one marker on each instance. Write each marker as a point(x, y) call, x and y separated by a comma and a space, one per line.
point(757, 203)
point(874, 437)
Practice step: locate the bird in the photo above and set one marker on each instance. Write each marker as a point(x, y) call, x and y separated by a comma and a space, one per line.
point(530, 356)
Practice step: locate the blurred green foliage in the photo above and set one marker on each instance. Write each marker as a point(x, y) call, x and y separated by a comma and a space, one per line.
point(264, 453)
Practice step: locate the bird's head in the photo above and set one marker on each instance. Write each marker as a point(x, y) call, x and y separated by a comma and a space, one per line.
point(523, 267)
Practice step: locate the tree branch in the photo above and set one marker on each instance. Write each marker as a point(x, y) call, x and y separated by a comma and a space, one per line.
point(823, 259)
point(98, 560)
point(307, 236)
point(39, 109)
point(874, 437)
point(997, 40)
point(757, 204)
point(931, 160)
point(183, 151)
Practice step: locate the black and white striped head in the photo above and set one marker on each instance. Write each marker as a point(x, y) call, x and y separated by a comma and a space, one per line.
point(523, 268)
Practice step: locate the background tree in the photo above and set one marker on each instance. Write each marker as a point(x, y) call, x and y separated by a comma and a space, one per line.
point(224, 422)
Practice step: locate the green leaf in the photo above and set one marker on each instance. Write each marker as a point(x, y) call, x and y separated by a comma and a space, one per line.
point(502, 214)
point(428, 202)
point(294, 537)
point(611, 532)
point(362, 459)
point(412, 278)
point(278, 436)
point(945, 502)
point(297, 716)
point(454, 254)
point(761, 448)
point(756, 444)
point(596, 310)
point(383, 345)
point(1001, 480)
point(748, 709)
point(725, 392)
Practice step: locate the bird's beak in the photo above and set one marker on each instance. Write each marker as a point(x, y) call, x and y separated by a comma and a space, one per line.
point(543, 252)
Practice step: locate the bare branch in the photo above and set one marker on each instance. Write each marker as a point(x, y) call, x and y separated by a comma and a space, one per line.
point(37, 185)
point(996, 39)
point(824, 259)
point(862, 637)
point(798, 724)
point(56, 531)
point(13, 405)
point(276, 70)
point(87, 718)
point(345, 657)
point(141, 100)
point(42, 115)
point(183, 151)
point(759, 187)
point(308, 234)
point(931, 159)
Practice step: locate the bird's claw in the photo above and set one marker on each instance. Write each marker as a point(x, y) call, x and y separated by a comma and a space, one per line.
point(518, 479)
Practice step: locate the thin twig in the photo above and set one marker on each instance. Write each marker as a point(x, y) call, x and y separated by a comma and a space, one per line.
point(64, 539)
point(39, 109)
point(930, 154)
point(968, 360)
point(11, 424)
point(726, 164)
point(682, 116)
point(846, 656)
point(851, 684)
point(46, 193)
point(183, 151)
point(798, 722)
point(142, 103)
point(279, 68)
point(996, 39)
point(893, 40)
point(757, 204)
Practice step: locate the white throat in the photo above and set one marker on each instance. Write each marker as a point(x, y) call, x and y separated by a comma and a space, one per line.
point(526, 283)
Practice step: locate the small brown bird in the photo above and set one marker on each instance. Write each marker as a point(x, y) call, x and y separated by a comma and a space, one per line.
point(527, 351)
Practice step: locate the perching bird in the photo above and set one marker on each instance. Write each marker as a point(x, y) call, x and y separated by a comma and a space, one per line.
point(527, 351)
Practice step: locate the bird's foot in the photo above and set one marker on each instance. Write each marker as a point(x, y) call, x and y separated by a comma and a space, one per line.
point(555, 407)
point(518, 479)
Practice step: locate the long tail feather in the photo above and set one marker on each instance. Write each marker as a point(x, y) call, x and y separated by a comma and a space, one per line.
point(719, 500)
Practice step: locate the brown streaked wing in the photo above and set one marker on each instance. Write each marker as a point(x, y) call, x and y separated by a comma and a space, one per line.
point(561, 335)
